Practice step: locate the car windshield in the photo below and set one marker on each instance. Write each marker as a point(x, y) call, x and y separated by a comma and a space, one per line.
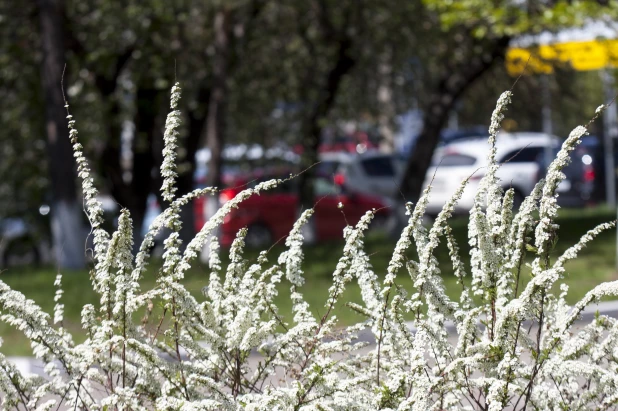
point(577, 157)
point(378, 167)
point(527, 155)
point(453, 160)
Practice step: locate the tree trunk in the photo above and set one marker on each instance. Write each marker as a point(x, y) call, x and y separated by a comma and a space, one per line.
point(313, 124)
point(147, 154)
point(452, 85)
point(185, 180)
point(132, 194)
point(419, 161)
point(215, 119)
point(385, 99)
point(147, 149)
point(68, 232)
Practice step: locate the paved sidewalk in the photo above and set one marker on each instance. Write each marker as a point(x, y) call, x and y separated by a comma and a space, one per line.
point(27, 365)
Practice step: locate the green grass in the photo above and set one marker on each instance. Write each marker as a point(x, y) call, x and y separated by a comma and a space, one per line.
point(595, 265)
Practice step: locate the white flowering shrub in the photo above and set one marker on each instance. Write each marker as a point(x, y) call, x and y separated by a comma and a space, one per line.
point(497, 347)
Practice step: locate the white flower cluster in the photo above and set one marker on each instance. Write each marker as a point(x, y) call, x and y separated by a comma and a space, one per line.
point(498, 347)
point(170, 139)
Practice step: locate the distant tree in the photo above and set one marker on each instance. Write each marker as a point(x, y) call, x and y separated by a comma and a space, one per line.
point(23, 164)
point(128, 76)
point(148, 45)
point(66, 227)
point(481, 31)
point(326, 54)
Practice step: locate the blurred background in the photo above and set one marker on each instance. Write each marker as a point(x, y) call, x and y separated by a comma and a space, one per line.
point(366, 96)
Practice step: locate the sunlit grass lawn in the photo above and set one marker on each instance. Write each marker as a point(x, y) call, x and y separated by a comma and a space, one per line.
point(596, 265)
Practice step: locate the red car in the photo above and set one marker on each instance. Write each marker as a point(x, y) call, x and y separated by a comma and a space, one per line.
point(271, 215)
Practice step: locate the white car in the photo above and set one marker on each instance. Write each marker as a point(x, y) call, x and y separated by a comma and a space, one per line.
point(372, 172)
point(520, 156)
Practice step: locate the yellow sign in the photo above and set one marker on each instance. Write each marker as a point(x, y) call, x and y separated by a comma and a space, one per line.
point(580, 55)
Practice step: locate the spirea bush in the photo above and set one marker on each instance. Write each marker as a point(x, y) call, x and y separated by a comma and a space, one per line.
point(499, 346)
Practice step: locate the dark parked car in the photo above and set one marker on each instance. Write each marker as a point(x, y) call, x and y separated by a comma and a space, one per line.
point(585, 176)
point(20, 243)
point(595, 146)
